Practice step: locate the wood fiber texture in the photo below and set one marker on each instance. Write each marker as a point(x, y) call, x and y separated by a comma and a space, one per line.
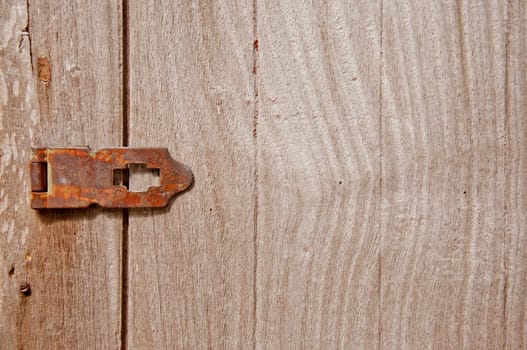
point(56, 89)
point(318, 175)
point(191, 90)
point(454, 172)
point(360, 174)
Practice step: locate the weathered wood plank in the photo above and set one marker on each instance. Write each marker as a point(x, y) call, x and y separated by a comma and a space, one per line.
point(191, 89)
point(515, 167)
point(318, 174)
point(59, 85)
point(454, 175)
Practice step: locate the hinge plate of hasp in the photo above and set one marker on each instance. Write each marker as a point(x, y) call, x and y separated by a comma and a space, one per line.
point(77, 177)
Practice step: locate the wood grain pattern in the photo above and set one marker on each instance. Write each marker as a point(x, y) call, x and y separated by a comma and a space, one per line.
point(59, 85)
point(454, 175)
point(360, 174)
point(191, 89)
point(318, 175)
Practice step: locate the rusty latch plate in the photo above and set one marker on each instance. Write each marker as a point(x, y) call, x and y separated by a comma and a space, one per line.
point(77, 177)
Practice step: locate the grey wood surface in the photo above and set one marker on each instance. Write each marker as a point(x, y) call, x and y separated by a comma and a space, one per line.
point(318, 190)
point(191, 266)
point(454, 172)
point(360, 174)
point(59, 85)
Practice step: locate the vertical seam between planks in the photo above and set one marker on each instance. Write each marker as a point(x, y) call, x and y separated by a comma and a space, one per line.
point(126, 74)
point(125, 142)
point(381, 160)
point(255, 163)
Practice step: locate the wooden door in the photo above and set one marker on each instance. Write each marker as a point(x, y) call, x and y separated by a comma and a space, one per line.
point(360, 172)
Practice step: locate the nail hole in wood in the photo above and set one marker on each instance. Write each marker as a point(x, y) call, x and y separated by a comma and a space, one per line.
point(25, 289)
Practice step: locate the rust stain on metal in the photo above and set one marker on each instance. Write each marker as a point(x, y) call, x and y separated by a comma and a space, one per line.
point(78, 178)
point(39, 177)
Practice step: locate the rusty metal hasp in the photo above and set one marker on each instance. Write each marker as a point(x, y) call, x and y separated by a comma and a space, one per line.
point(77, 177)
